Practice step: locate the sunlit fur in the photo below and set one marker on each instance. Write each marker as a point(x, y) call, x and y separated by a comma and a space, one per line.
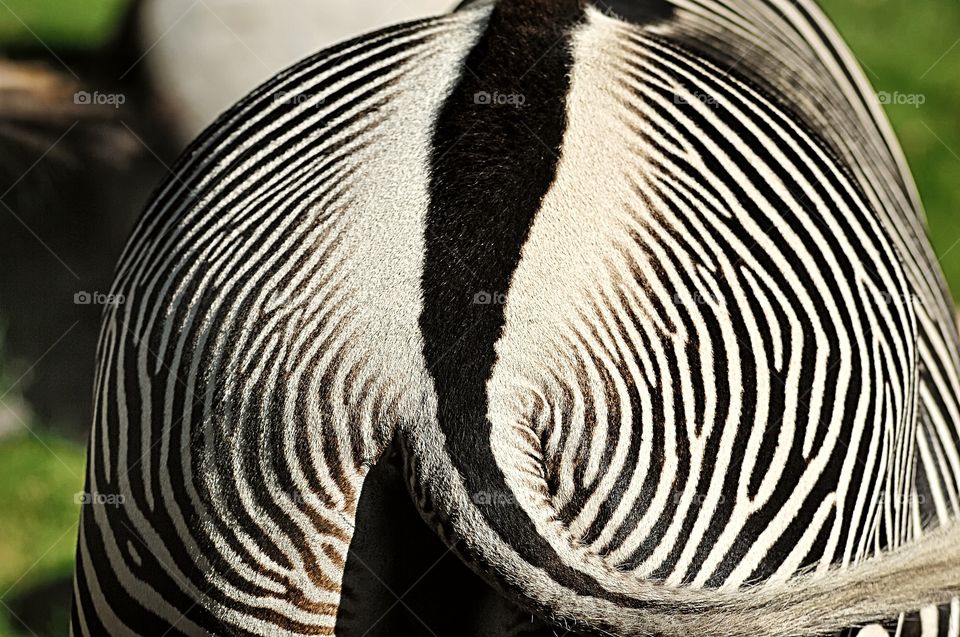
point(723, 387)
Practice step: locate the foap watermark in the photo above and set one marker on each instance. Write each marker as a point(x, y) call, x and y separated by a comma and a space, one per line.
point(100, 499)
point(897, 98)
point(97, 298)
point(96, 98)
point(695, 298)
point(492, 498)
point(884, 297)
point(298, 97)
point(489, 298)
point(900, 501)
point(695, 96)
point(698, 500)
point(281, 298)
point(483, 98)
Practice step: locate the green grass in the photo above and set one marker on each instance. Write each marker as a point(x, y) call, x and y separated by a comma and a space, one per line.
point(911, 47)
point(39, 480)
point(59, 23)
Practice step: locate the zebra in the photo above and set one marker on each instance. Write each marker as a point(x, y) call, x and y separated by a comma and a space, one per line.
point(637, 291)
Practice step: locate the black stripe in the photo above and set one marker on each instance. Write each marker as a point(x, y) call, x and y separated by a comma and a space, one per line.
point(496, 147)
point(637, 11)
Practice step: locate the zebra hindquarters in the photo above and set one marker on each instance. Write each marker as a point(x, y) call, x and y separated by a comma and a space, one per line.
point(682, 402)
point(266, 349)
point(546, 290)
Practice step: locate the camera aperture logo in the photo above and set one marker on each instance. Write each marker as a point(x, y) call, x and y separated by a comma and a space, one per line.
point(98, 298)
point(483, 98)
point(96, 98)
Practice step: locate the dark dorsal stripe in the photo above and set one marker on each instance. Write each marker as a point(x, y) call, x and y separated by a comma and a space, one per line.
point(637, 11)
point(496, 148)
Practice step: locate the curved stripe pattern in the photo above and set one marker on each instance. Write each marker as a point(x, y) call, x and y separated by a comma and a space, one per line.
point(642, 294)
point(226, 377)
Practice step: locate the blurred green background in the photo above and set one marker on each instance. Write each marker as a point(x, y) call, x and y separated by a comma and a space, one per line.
point(908, 47)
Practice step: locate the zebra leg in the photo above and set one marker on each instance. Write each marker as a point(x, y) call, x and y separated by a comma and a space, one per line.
point(400, 579)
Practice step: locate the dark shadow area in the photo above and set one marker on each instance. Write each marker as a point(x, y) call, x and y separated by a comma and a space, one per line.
point(71, 187)
point(45, 609)
point(394, 554)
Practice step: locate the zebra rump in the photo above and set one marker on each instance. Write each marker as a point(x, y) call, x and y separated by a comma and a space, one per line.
point(639, 290)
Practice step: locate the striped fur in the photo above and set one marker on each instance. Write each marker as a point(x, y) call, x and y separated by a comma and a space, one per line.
point(641, 291)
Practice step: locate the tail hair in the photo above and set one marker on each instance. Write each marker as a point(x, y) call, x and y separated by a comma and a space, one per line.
point(921, 573)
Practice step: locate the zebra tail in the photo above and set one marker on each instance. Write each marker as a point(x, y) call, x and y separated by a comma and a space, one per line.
point(579, 590)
